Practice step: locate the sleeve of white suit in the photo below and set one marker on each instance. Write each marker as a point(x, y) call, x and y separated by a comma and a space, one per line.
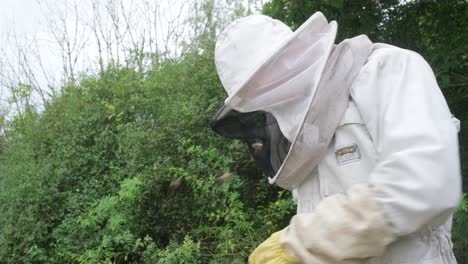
point(416, 180)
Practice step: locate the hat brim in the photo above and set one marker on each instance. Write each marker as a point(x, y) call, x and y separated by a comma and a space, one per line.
point(232, 100)
point(324, 113)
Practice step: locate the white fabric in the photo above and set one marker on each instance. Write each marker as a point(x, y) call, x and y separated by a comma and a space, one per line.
point(406, 149)
point(342, 228)
point(245, 45)
point(324, 113)
point(418, 173)
point(261, 72)
point(264, 66)
point(397, 134)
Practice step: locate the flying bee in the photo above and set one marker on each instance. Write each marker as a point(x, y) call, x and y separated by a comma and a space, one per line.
point(224, 178)
point(176, 183)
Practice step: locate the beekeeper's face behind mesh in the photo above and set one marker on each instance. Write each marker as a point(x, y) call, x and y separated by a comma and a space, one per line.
point(271, 75)
point(260, 131)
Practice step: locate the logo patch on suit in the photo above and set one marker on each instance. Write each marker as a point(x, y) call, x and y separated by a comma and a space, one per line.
point(347, 154)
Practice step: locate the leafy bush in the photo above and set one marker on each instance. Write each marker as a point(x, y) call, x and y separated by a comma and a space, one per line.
point(89, 179)
point(460, 231)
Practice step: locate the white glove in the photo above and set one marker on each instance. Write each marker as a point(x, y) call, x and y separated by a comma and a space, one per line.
point(344, 228)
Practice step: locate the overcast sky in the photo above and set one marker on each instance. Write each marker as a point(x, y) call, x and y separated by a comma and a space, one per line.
point(23, 14)
point(26, 25)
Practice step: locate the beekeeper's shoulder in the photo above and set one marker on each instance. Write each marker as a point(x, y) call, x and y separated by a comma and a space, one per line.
point(382, 77)
point(386, 66)
point(392, 58)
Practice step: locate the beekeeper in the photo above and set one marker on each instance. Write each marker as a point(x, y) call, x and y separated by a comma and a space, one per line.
point(360, 132)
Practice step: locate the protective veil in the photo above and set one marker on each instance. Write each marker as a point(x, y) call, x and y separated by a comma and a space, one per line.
point(280, 102)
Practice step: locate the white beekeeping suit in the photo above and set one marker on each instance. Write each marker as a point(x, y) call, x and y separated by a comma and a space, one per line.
point(368, 144)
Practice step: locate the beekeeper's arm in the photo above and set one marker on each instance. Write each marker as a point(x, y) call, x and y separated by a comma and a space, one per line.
point(416, 181)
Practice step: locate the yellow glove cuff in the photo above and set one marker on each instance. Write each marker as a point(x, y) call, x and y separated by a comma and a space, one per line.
point(271, 252)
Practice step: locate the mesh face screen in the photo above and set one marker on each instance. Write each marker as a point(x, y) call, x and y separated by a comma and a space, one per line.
point(260, 131)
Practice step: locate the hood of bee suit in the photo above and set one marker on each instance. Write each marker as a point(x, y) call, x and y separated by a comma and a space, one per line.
point(287, 91)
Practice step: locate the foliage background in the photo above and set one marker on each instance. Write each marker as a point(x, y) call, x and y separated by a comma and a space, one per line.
point(121, 167)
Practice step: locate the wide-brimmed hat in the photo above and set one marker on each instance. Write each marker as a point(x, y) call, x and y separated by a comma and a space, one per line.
point(278, 97)
point(256, 55)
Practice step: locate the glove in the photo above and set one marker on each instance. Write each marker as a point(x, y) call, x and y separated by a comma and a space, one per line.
point(271, 252)
point(345, 228)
